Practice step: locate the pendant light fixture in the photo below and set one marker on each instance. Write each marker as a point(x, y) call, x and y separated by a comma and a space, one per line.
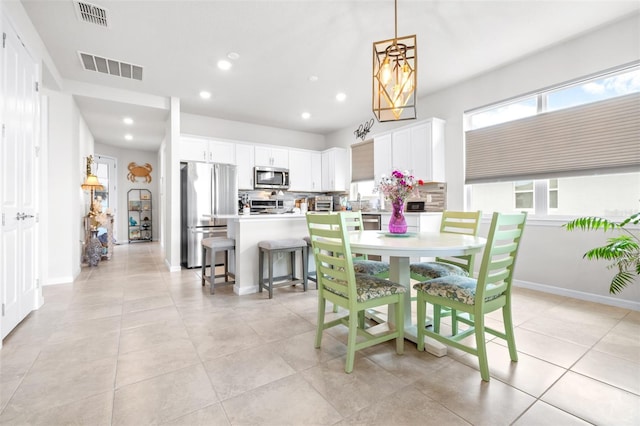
point(395, 69)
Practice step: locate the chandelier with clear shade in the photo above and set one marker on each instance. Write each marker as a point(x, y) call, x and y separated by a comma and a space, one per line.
point(395, 67)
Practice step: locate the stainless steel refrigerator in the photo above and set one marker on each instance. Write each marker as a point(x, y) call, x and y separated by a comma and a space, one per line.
point(207, 190)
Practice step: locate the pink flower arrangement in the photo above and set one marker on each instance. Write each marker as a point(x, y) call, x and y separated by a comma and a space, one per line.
point(398, 187)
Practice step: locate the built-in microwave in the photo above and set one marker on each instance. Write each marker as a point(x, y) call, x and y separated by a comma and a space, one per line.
point(270, 178)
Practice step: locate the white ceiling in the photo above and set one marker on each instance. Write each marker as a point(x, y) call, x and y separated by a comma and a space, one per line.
point(281, 44)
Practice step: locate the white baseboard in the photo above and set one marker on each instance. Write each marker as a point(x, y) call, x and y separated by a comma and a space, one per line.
point(590, 297)
point(58, 280)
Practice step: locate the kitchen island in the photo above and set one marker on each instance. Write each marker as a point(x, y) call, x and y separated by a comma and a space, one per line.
point(249, 230)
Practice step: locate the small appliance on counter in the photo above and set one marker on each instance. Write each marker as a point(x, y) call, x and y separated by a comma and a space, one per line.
point(416, 206)
point(323, 203)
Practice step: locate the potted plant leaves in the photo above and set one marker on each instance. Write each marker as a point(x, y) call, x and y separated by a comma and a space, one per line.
point(622, 250)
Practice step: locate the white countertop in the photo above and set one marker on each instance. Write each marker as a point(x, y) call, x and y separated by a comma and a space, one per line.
point(271, 216)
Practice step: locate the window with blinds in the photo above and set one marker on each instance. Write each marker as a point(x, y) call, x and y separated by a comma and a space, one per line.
point(362, 161)
point(572, 149)
point(593, 138)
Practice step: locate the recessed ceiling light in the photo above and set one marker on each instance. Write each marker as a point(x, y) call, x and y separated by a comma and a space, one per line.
point(127, 120)
point(233, 55)
point(306, 115)
point(128, 137)
point(223, 64)
point(313, 78)
point(340, 97)
point(205, 95)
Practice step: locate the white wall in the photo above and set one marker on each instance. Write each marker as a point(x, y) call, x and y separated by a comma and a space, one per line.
point(124, 157)
point(247, 132)
point(549, 255)
point(69, 142)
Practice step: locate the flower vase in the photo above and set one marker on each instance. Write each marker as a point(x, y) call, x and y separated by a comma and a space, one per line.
point(397, 222)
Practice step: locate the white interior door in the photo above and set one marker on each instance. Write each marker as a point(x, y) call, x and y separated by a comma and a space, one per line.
point(106, 169)
point(18, 178)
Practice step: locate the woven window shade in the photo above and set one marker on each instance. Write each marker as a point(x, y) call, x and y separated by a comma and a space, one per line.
point(593, 138)
point(362, 161)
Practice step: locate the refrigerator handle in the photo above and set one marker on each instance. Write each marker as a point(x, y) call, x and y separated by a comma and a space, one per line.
point(214, 196)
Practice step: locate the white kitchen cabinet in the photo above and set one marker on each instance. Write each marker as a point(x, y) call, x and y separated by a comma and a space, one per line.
point(334, 170)
point(316, 171)
point(418, 148)
point(245, 163)
point(271, 156)
point(382, 162)
point(206, 150)
point(305, 171)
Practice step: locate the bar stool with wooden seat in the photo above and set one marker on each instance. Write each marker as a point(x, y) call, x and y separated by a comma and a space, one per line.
point(271, 247)
point(209, 247)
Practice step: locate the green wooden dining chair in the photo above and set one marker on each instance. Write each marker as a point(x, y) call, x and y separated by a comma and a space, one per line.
point(455, 222)
point(489, 292)
point(361, 262)
point(339, 284)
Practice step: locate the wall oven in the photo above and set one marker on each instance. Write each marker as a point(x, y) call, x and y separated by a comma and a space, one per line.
point(270, 178)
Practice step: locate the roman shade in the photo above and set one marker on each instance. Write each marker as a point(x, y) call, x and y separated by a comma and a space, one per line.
point(362, 161)
point(600, 137)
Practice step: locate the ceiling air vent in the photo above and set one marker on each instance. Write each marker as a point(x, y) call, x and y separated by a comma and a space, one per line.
point(110, 66)
point(91, 13)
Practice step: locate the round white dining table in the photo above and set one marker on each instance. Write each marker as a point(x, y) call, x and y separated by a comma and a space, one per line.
point(400, 248)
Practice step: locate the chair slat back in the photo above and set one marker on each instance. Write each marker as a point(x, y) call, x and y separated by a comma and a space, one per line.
point(456, 222)
point(499, 257)
point(329, 235)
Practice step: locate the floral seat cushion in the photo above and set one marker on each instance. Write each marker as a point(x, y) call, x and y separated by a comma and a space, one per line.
point(455, 287)
point(431, 270)
point(370, 267)
point(369, 287)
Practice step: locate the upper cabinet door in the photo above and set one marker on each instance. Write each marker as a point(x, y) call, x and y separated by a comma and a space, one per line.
point(245, 163)
point(418, 148)
point(334, 170)
point(299, 170)
point(382, 161)
point(222, 152)
point(271, 157)
point(402, 155)
point(193, 149)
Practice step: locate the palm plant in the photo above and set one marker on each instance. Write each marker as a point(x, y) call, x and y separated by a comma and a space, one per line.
point(622, 250)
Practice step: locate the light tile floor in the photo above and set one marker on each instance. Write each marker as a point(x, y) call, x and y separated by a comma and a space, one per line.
point(129, 343)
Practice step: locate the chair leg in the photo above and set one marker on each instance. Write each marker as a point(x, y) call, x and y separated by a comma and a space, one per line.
point(481, 346)
point(322, 303)
point(270, 274)
point(226, 265)
point(454, 322)
point(421, 312)
point(437, 314)
point(508, 330)
point(351, 342)
point(305, 268)
point(204, 264)
point(260, 269)
point(292, 255)
point(213, 270)
point(400, 326)
point(361, 320)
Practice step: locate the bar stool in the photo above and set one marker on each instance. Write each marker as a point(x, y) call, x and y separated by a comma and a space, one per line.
point(214, 245)
point(311, 276)
point(269, 248)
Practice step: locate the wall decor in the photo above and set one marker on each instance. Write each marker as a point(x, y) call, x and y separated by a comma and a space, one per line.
point(362, 130)
point(136, 171)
